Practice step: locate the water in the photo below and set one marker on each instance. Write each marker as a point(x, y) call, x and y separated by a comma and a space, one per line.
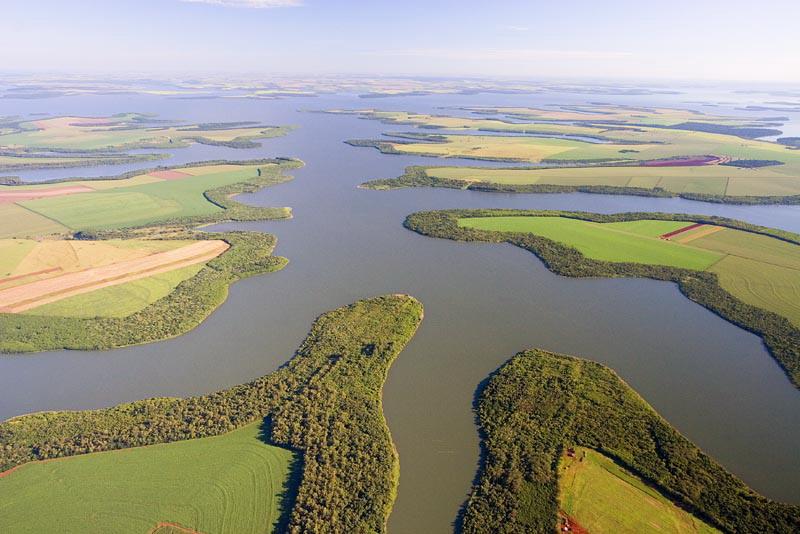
point(483, 303)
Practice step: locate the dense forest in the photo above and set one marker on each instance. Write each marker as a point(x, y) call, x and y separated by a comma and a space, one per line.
point(540, 403)
point(324, 403)
point(250, 253)
point(779, 335)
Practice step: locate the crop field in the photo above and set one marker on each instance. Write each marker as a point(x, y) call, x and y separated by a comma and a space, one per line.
point(670, 150)
point(231, 483)
point(604, 498)
point(120, 132)
point(119, 300)
point(112, 278)
point(111, 204)
point(607, 241)
point(709, 179)
point(758, 269)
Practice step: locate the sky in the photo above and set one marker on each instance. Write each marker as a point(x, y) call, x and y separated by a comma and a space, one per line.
point(618, 39)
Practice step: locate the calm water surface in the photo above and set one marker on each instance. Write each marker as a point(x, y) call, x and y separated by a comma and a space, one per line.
point(483, 303)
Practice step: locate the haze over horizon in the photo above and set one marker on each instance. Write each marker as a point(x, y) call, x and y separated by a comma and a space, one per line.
point(714, 40)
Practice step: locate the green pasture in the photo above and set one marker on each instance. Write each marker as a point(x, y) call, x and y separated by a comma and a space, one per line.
point(233, 483)
point(604, 498)
point(759, 270)
point(137, 205)
point(607, 242)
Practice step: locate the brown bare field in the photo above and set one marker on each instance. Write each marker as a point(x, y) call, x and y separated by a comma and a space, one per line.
point(28, 296)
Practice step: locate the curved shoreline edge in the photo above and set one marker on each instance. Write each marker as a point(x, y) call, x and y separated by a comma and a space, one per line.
point(250, 254)
point(539, 403)
point(781, 338)
point(323, 403)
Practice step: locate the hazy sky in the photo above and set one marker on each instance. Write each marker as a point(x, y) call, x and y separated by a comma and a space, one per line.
point(699, 39)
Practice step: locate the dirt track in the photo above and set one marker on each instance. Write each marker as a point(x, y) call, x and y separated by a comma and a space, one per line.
point(25, 297)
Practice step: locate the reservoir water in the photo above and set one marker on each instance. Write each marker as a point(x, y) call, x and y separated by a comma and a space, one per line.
point(483, 303)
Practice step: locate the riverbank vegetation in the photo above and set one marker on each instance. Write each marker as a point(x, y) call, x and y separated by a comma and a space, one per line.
point(539, 405)
point(597, 149)
point(84, 141)
point(324, 404)
point(154, 307)
point(726, 287)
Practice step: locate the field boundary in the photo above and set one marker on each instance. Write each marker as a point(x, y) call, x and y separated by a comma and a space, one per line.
point(49, 290)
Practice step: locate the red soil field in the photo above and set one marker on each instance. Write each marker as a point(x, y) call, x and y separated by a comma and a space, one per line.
point(31, 194)
point(680, 230)
point(568, 524)
point(170, 175)
point(688, 161)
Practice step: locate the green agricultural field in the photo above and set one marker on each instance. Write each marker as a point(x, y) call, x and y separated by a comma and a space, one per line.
point(230, 483)
point(119, 301)
point(607, 242)
point(598, 149)
point(138, 204)
point(757, 269)
point(604, 498)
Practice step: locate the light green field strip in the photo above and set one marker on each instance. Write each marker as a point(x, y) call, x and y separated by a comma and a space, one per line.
point(226, 484)
point(12, 252)
point(16, 221)
point(767, 286)
point(648, 228)
point(137, 205)
point(600, 242)
point(709, 179)
point(121, 300)
point(606, 499)
point(759, 270)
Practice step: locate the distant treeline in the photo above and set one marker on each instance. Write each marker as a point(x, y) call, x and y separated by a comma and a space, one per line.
point(780, 336)
point(325, 403)
point(540, 403)
point(417, 176)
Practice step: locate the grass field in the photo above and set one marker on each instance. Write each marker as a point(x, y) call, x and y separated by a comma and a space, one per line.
point(231, 483)
point(607, 241)
point(111, 204)
point(757, 269)
point(139, 204)
point(606, 499)
point(16, 221)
